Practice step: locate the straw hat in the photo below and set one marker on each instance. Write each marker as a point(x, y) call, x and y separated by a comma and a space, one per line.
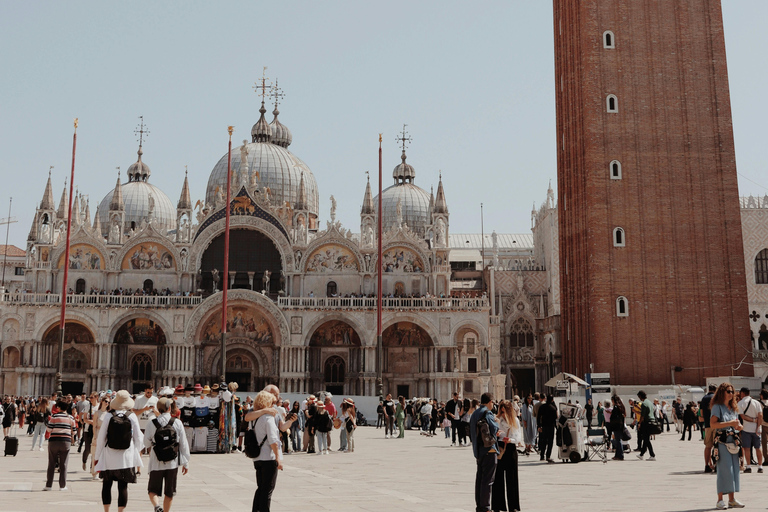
point(206, 389)
point(122, 401)
point(198, 388)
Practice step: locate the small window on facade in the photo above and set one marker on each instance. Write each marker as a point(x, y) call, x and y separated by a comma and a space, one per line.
point(472, 365)
point(612, 104)
point(19, 271)
point(615, 169)
point(622, 307)
point(469, 386)
point(608, 39)
point(618, 237)
point(761, 267)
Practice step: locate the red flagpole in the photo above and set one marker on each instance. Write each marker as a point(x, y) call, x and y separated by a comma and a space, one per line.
point(60, 368)
point(379, 342)
point(224, 289)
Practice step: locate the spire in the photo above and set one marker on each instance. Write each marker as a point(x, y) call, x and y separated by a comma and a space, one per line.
point(185, 201)
point(367, 199)
point(441, 206)
point(431, 200)
point(33, 230)
point(97, 224)
point(261, 131)
point(117, 203)
point(281, 135)
point(76, 210)
point(62, 212)
point(139, 171)
point(48, 203)
point(301, 202)
point(404, 173)
point(87, 219)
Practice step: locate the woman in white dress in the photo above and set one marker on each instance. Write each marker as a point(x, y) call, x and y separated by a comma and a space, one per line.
point(118, 464)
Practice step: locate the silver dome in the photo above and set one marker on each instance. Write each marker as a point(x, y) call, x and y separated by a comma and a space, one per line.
point(278, 169)
point(136, 200)
point(414, 203)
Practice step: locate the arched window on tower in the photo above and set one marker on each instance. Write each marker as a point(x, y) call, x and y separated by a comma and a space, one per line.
point(609, 41)
point(612, 104)
point(761, 267)
point(618, 237)
point(615, 170)
point(622, 306)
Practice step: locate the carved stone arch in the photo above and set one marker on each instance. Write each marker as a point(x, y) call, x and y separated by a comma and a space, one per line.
point(419, 321)
point(352, 322)
point(213, 303)
point(512, 309)
point(213, 362)
point(136, 241)
point(52, 318)
point(144, 313)
point(317, 244)
point(408, 245)
point(19, 320)
point(215, 229)
point(482, 335)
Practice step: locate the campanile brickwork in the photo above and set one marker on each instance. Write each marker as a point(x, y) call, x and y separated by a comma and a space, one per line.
point(682, 266)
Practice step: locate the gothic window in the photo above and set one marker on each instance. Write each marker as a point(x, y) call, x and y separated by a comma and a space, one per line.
point(618, 237)
point(761, 267)
point(612, 104)
point(521, 334)
point(615, 169)
point(608, 39)
point(74, 360)
point(141, 367)
point(334, 370)
point(238, 363)
point(622, 306)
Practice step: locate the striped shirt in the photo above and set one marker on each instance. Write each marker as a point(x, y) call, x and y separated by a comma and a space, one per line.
point(61, 425)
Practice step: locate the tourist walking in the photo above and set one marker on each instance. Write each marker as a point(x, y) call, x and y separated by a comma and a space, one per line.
point(505, 494)
point(400, 415)
point(165, 438)
point(547, 420)
point(709, 433)
point(39, 418)
point(466, 414)
point(689, 418)
point(618, 414)
point(61, 428)
point(751, 414)
point(724, 419)
point(529, 424)
point(453, 413)
point(118, 450)
point(389, 417)
point(484, 450)
point(350, 423)
point(643, 426)
point(588, 410)
point(269, 459)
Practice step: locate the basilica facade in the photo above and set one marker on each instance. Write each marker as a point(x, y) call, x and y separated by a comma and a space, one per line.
point(145, 280)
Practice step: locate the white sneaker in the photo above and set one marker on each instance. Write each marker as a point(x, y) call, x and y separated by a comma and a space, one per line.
point(651, 458)
point(46, 488)
point(64, 489)
point(721, 505)
point(386, 436)
point(735, 504)
point(41, 448)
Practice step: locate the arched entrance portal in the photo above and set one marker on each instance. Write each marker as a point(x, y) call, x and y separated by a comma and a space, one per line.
point(255, 253)
point(138, 342)
point(335, 359)
point(408, 354)
point(243, 369)
point(78, 349)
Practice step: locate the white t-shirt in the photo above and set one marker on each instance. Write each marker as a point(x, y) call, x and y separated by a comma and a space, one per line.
point(146, 416)
point(750, 407)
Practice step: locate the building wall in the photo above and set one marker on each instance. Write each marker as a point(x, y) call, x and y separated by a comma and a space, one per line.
point(677, 200)
point(754, 219)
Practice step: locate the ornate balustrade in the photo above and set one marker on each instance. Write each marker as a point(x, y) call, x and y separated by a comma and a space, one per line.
point(139, 301)
point(388, 303)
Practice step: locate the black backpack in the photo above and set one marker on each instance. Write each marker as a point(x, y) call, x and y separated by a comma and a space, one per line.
point(166, 442)
point(484, 433)
point(119, 431)
point(765, 411)
point(252, 445)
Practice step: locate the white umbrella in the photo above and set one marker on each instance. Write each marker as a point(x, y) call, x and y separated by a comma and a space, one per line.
point(568, 377)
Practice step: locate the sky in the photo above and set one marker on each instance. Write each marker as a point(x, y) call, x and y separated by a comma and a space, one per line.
point(474, 82)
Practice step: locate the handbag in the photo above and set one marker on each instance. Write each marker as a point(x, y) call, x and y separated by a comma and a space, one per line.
point(626, 435)
point(653, 427)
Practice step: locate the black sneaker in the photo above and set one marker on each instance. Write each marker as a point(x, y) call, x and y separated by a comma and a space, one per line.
point(707, 469)
point(748, 469)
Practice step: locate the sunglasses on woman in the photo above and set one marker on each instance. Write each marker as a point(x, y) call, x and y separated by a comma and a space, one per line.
point(729, 391)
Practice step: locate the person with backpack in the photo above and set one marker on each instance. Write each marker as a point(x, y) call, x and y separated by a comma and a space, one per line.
point(268, 456)
point(168, 449)
point(482, 432)
point(118, 449)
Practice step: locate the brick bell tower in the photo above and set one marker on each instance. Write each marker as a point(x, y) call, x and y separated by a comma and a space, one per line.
point(651, 253)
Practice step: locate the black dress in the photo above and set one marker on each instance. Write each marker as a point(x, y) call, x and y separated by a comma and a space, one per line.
point(506, 488)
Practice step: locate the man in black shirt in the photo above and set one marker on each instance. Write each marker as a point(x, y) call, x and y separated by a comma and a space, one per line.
point(547, 420)
point(453, 411)
point(709, 434)
point(389, 417)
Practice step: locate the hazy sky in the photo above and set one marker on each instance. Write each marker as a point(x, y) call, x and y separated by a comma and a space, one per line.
point(473, 81)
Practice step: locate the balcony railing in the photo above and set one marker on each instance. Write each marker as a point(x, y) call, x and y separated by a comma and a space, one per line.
point(149, 301)
point(388, 303)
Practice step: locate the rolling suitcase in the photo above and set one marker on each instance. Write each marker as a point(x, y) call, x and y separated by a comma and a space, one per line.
point(11, 445)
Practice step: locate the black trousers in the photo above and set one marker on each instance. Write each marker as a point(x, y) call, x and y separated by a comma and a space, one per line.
point(546, 442)
point(645, 440)
point(87, 439)
point(486, 471)
point(122, 492)
point(505, 494)
point(266, 477)
point(455, 426)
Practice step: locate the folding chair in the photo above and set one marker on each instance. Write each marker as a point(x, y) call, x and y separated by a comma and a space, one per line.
point(597, 444)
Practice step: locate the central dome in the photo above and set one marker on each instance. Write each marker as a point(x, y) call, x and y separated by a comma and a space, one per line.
point(269, 165)
point(136, 199)
point(414, 204)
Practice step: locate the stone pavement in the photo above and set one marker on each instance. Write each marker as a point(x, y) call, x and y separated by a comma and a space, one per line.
point(415, 473)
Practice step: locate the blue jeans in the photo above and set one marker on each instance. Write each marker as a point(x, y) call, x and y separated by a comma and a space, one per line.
point(39, 432)
point(322, 441)
point(727, 470)
point(447, 432)
point(425, 422)
point(618, 448)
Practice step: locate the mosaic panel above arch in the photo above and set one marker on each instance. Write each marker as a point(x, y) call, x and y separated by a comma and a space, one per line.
point(140, 331)
point(83, 257)
point(332, 258)
point(335, 333)
point(243, 321)
point(73, 333)
point(406, 334)
point(148, 256)
point(401, 259)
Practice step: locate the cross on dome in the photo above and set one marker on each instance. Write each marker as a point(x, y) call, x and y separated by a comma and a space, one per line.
point(141, 131)
point(277, 93)
point(263, 86)
point(404, 138)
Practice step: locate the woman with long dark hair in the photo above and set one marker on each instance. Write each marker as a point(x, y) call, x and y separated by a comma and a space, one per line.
point(506, 490)
point(466, 412)
point(618, 414)
point(725, 420)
